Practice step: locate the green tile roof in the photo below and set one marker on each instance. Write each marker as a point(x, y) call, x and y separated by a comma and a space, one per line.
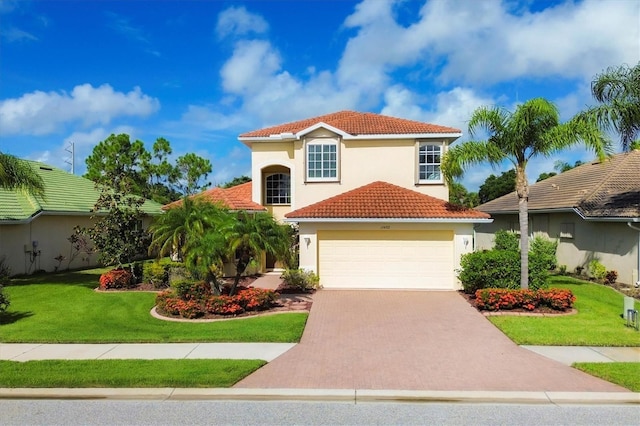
point(64, 194)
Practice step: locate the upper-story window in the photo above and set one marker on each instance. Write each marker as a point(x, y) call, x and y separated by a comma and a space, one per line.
point(278, 189)
point(322, 161)
point(429, 160)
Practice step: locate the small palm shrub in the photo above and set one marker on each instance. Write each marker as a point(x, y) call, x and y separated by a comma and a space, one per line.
point(300, 281)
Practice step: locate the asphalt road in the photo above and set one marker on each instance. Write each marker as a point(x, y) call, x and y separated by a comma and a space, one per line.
point(78, 412)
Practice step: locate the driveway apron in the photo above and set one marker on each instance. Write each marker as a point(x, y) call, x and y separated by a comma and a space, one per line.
point(411, 340)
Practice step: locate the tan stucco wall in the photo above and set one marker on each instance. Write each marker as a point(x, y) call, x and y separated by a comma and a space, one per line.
point(309, 238)
point(361, 162)
point(613, 244)
point(51, 233)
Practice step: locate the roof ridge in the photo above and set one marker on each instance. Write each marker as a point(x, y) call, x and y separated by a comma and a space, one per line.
point(608, 175)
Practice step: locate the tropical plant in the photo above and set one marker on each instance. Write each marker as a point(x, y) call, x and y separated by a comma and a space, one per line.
point(193, 231)
point(617, 89)
point(192, 217)
point(18, 174)
point(250, 236)
point(533, 129)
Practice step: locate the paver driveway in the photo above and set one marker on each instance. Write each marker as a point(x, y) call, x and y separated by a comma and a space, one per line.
point(411, 340)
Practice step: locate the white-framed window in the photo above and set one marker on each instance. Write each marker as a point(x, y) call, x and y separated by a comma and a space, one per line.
point(429, 161)
point(277, 189)
point(322, 161)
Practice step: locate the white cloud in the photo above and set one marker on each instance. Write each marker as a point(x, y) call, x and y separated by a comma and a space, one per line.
point(40, 113)
point(567, 40)
point(237, 21)
point(13, 34)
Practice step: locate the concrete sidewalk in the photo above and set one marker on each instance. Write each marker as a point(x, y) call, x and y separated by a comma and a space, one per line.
point(34, 351)
point(265, 351)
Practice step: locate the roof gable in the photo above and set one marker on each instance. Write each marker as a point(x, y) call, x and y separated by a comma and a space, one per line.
point(382, 200)
point(235, 198)
point(351, 124)
point(598, 189)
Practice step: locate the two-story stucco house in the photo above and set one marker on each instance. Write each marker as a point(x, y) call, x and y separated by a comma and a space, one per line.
point(368, 196)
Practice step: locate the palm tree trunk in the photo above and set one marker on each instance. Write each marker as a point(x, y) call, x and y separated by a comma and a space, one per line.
point(522, 189)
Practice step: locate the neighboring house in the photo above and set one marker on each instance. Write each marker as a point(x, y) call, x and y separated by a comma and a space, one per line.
point(593, 211)
point(368, 196)
point(34, 230)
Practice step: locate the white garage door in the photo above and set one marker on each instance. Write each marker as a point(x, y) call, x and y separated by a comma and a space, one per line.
point(386, 259)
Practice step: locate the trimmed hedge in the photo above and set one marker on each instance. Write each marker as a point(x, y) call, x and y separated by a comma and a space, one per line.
point(116, 278)
point(495, 299)
point(500, 269)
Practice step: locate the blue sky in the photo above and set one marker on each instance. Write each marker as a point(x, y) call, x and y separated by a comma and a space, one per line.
point(199, 73)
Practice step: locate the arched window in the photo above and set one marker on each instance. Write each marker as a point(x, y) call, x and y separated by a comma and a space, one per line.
point(278, 189)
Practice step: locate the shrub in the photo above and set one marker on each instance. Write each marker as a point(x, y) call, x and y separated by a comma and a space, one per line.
point(499, 269)
point(597, 270)
point(155, 273)
point(562, 269)
point(495, 299)
point(116, 278)
point(188, 290)
point(545, 249)
point(4, 300)
point(301, 280)
point(556, 298)
point(248, 299)
point(611, 277)
point(506, 240)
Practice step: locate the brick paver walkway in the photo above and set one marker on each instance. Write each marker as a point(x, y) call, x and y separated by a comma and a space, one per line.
point(411, 340)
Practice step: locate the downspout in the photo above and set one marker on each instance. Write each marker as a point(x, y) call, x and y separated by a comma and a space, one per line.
point(630, 224)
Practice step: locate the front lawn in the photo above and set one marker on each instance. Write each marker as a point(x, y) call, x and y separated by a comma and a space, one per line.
point(625, 374)
point(127, 373)
point(597, 323)
point(64, 308)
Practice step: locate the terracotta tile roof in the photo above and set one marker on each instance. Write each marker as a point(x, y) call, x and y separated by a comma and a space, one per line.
point(235, 198)
point(382, 200)
point(598, 189)
point(65, 193)
point(355, 123)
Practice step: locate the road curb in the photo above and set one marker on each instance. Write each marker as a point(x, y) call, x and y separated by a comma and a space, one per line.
point(339, 395)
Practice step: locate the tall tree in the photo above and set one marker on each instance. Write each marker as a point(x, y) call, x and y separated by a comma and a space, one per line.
point(237, 181)
point(533, 129)
point(193, 173)
point(119, 163)
point(18, 174)
point(459, 196)
point(161, 174)
point(617, 89)
point(497, 186)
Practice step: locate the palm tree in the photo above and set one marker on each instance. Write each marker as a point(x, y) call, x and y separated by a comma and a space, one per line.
point(250, 236)
point(190, 219)
point(618, 91)
point(18, 174)
point(533, 129)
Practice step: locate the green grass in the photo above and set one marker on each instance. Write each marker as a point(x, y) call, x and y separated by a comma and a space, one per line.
point(625, 374)
point(64, 308)
point(597, 323)
point(117, 373)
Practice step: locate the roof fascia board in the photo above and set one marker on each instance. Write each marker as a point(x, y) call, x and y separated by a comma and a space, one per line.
point(387, 220)
point(347, 136)
point(561, 210)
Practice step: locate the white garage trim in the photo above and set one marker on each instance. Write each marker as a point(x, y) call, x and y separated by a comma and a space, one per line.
point(386, 259)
